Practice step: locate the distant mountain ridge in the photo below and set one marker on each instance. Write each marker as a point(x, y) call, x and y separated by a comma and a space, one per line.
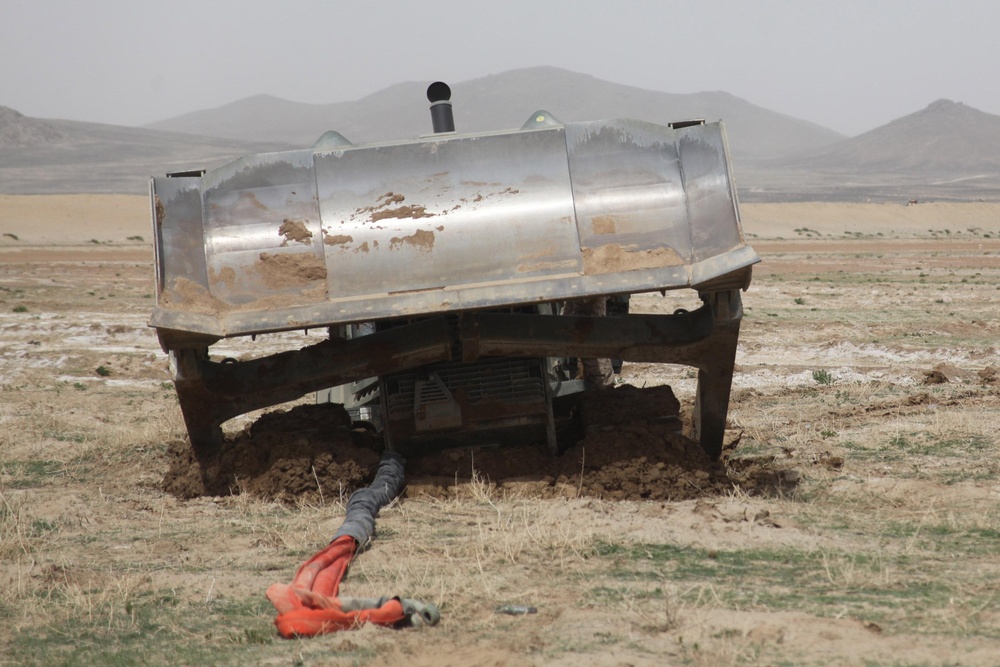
point(502, 101)
point(947, 151)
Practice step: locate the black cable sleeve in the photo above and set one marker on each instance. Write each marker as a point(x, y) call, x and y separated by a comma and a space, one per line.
point(364, 505)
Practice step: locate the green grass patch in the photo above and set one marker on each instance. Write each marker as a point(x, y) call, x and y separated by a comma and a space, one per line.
point(946, 539)
point(150, 627)
point(27, 474)
point(876, 587)
point(906, 446)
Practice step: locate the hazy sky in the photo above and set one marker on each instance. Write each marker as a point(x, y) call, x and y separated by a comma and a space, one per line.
point(847, 65)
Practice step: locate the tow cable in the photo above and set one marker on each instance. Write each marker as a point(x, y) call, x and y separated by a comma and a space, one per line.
point(310, 605)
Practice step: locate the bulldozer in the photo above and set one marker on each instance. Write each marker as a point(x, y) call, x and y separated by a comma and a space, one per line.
point(437, 270)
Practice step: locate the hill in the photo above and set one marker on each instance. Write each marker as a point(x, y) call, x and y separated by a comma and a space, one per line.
point(18, 130)
point(62, 156)
point(946, 151)
point(944, 138)
point(502, 101)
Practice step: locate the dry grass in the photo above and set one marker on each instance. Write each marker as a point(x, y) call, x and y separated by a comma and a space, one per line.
point(16, 537)
point(893, 525)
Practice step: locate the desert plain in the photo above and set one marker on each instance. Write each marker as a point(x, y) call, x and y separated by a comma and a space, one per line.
point(854, 520)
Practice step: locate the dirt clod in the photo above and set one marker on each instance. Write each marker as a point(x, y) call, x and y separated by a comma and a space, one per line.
point(935, 377)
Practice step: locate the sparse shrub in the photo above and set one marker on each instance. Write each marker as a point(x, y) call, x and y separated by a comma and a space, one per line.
point(823, 377)
point(103, 371)
point(799, 301)
point(20, 309)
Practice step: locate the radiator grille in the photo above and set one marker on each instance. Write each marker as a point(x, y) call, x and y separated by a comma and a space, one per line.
point(515, 380)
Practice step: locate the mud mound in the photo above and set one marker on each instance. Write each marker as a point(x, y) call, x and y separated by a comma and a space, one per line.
point(644, 460)
point(307, 451)
point(627, 446)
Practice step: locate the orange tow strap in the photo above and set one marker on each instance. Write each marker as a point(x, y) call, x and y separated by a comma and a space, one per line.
point(310, 605)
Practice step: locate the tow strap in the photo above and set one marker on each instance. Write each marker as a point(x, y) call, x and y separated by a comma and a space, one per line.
point(310, 605)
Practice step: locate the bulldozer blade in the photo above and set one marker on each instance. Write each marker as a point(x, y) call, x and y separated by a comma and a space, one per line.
point(316, 237)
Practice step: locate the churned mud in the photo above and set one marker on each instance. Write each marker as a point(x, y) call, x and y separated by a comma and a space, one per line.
point(623, 444)
point(283, 455)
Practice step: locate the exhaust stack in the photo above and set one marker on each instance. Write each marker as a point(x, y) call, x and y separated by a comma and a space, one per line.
point(442, 118)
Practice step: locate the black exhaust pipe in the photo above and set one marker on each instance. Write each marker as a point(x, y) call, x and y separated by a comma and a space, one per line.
point(439, 95)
